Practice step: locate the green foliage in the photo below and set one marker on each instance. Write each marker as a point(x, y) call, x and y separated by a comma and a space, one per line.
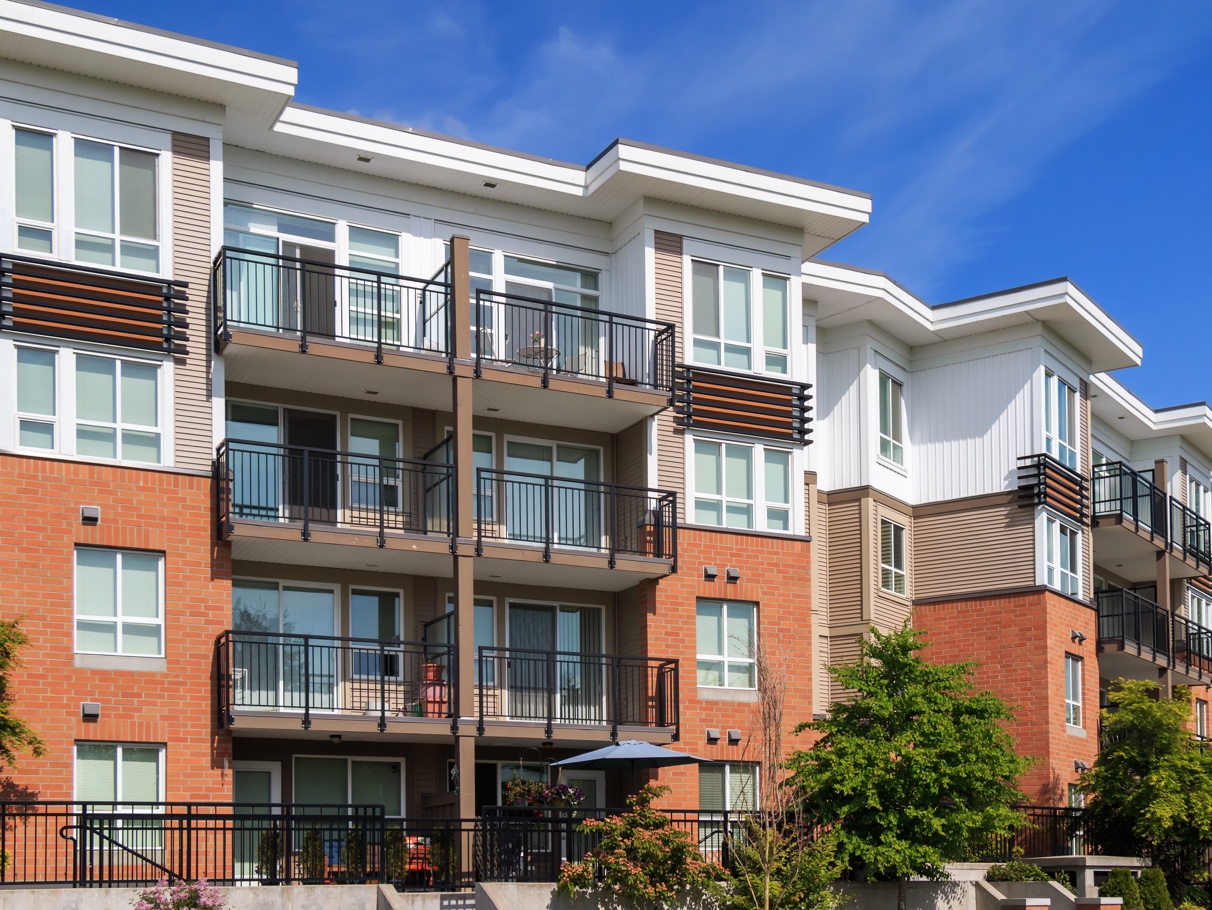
point(774, 866)
point(1120, 883)
point(1150, 790)
point(1153, 891)
point(269, 854)
point(353, 853)
point(915, 769)
point(1198, 895)
point(1187, 905)
point(15, 734)
point(395, 861)
point(1016, 871)
point(1065, 880)
point(311, 856)
point(645, 860)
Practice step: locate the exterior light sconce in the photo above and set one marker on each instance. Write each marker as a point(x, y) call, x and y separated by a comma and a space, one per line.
point(1079, 765)
point(732, 576)
point(734, 737)
point(713, 735)
point(90, 515)
point(1077, 636)
point(90, 710)
point(335, 738)
point(710, 573)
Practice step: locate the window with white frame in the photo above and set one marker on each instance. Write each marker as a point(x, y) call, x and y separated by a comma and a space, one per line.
point(374, 297)
point(1201, 718)
point(119, 602)
point(82, 403)
point(1073, 690)
point(892, 434)
point(119, 772)
point(1062, 557)
point(742, 485)
point(728, 329)
point(1199, 608)
point(726, 632)
point(892, 557)
point(728, 787)
point(1197, 497)
point(1060, 420)
point(350, 782)
point(116, 205)
point(34, 197)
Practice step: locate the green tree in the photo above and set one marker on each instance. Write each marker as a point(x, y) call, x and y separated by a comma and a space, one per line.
point(1120, 883)
point(1153, 892)
point(914, 769)
point(1150, 790)
point(16, 735)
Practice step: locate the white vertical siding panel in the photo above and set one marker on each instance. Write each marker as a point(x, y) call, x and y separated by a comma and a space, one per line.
point(627, 278)
point(970, 423)
point(840, 415)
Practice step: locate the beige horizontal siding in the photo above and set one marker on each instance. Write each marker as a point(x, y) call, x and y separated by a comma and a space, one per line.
point(843, 649)
point(982, 549)
point(191, 262)
point(671, 449)
point(844, 562)
point(631, 456)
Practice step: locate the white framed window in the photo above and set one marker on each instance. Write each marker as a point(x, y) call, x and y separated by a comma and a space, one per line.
point(117, 208)
point(728, 787)
point(1197, 498)
point(728, 329)
point(484, 456)
point(91, 403)
point(1201, 718)
point(892, 434)
point(34, 191)
point(119, 602)
point(1063, 556)
point(374, 297)
point(892, 557)
point(1073, 690)
point(1060, 420)
point(350, 782)
point(742, 485)
point(1199, 608)
point(726, 632)
point(119, 772)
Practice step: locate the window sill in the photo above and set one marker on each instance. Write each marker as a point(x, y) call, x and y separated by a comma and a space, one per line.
point(892, 465)
point(1078, 732)
point(723, 693)
point(895, 594)
point(104, 462)
point(121, 662)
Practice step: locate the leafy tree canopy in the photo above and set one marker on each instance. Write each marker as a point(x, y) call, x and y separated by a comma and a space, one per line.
point(915, 769)
point(16, 735)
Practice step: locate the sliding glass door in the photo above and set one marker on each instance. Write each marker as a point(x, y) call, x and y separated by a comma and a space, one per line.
point(570, 683)
point(568, 509)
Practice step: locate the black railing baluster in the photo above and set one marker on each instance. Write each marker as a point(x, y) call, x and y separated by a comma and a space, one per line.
point(306, 683)
point(614, 698)
point(548, 518)
point(379, 318)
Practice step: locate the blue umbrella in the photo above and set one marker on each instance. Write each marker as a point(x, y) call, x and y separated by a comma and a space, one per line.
point(630, 755)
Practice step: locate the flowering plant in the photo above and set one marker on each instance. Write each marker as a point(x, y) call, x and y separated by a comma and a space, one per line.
point(528, 792)
point(537, 338)
point(181, 895)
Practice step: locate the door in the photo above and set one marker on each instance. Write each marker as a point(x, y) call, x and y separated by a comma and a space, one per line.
point(374, 480)
point(311, 484)
point(255, 461)
point(527, 323)
point(593, 785)
point(253, 296)
point(256, 844)
point(571, 683)
point(567, 511)
point(309, 289)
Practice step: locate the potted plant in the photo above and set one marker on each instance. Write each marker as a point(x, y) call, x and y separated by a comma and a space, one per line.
point(353, 854)
point(522, 791)
point(538, 340)
point(395, 856)
point(269, 856)
point(564, 796)
point(312, 862)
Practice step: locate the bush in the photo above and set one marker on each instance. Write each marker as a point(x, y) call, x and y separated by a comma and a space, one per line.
point(313, 862)
point(1187, 905)
point(1016, 871)
point(1199, 896)
point(1120, 883)
point(1065, 880)
point(643, 859)
point(269, 854)
point(1153, 892)
point(180, 896)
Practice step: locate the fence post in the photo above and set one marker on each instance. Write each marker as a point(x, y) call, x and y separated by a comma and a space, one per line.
point(551, 695)
point(84, 855)
point(614, 698)
point(382, 506)
point(306, 495)
point(302, 307)
point(189, 843)
point(306, 683)
point(548, 517)
point(383, 685)
point(288, 836)
point(378, 317)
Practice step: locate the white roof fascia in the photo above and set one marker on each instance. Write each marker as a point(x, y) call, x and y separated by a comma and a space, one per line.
point(116, 39)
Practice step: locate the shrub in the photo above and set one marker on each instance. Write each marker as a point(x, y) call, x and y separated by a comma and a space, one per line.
point(1187, 905)
point(269, 854)
point(643, 859)
point(1199, 896)
point(1153, 892)
point(1065, 880)
point(180, 896)
point(1120, 883)
point(1016, 871)
point(312, 861)
point(353, 853)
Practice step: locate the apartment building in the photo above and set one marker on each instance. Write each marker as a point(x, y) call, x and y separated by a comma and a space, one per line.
point(350, 464)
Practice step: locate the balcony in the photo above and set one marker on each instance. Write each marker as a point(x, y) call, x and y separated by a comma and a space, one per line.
point(569, 689)
point(569, 365)
point(562, 531)
point(274, 682)
point(269, 308)
point(1134, 518)
point(303, 506)
point(1132, 629)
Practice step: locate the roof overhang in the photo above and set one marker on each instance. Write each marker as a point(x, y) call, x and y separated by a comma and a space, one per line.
point(1123, 411)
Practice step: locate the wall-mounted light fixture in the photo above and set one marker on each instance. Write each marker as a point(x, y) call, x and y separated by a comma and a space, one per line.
point(90, 710)
point(334, 738)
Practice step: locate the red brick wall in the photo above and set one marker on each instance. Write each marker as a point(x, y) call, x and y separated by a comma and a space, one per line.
point(170, 513)
point(1020, 642)
point(775, 574)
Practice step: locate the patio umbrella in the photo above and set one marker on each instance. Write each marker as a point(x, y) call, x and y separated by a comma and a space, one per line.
point(630, 755)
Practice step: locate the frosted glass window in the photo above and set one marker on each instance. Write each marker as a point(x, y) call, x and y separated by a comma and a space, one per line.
point(96, 773)
point(137, 189)
point(36, 401)
point(94, 186)
point(778, 490)
point(117, 206)
point(119, 602)
point(726, 637)
point(34, 173)
point(728, 486)
point(117, 400)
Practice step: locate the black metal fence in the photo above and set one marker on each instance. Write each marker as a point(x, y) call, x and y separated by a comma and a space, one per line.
point(1132, 496)
point(267, 482)
point(564, 340)
point(314, 300)
point(1136, 624)
point(1048, 831)
point(306, 674)
point(570, 687)
point(557, 512)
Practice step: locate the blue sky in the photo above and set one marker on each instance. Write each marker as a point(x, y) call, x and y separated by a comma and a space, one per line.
point(1003, 143)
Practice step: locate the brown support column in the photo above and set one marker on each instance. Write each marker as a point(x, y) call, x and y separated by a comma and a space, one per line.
point(1161, 478)
point(464, 555)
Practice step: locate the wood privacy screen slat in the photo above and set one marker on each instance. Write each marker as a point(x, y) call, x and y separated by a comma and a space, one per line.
point(91, 305)
point(1045, 481)
point(745, 405)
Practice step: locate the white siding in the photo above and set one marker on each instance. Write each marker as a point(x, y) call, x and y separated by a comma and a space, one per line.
point(969, 424)
point(627, 278)
point(839, 435)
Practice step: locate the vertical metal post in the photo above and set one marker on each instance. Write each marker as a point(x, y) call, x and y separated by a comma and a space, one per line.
point(306, 495)
point(383, 685)
point(378, 318)
point(612, 523)
point(306, 682)
point(189, 844)
point(84, 855)
point(548, 517)
point(614, 697)
point(302, 306)
point(379, 496)
point(548, 343)
point(551, 694)
point(610, 355)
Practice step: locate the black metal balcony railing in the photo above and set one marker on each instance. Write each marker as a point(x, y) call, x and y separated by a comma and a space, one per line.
point(1048, 831)
point(570, 687)
point(556, 338)
point(1136, 624)
point(310, 674)
point(319, 300)
point(1132, 497)
point(263, 482)
point(557, 512)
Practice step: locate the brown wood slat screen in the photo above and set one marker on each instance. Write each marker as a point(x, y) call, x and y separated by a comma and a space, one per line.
point(84, 304)
point(1045, 481)
point(745, 405)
